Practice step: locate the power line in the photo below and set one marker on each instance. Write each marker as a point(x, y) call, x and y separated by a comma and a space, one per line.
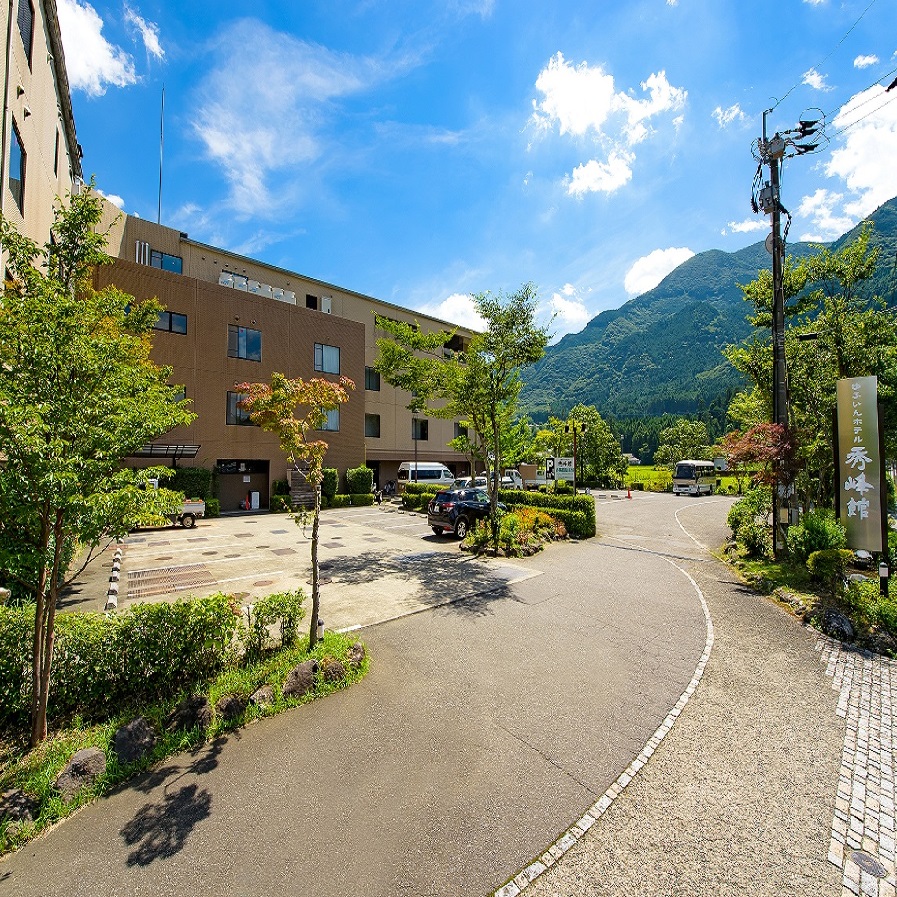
point(871, 112)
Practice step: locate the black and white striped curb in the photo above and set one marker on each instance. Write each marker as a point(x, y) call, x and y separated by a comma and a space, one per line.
point(862, 845)
point(576, 831)
point(112, 591)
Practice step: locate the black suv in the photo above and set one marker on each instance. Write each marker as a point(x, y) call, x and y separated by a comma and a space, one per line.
point(454, 510)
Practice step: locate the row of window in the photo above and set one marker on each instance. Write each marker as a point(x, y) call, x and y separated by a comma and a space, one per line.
point(420, 428)
point(239, 416)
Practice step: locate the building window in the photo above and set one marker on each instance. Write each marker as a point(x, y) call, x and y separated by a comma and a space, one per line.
point(236, 415)
point(166, 262)
point(460, 431)
point(171, 322)
point(326, 359)
point(26, 27)
point(311, 301)
point(372, 380)
point(244, 342)
point(372, 425)
point(17, 169)
point(420, 429)
point(332, 422)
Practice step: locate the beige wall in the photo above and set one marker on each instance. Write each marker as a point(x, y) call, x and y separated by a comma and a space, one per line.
point(205, 264)
point(38, 102)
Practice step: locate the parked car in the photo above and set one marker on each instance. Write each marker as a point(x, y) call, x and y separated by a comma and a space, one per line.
point(454, 510)
point(512, 480)
point(470, 483)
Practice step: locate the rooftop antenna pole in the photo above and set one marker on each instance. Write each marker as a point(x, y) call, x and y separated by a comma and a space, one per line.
point(161, 153)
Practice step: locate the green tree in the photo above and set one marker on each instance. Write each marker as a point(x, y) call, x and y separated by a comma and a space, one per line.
point(273, 407)
point(78, 395)
point(682, 439)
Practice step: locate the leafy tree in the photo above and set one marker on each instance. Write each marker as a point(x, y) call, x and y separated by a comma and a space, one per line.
point(78, 395)
point(273, 407)
point(682, 439)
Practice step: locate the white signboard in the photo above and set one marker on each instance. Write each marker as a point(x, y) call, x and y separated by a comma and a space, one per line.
point(563, 469)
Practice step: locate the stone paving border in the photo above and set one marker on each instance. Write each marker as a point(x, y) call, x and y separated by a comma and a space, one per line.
point(112, 591)
point(863, 840)
point(576, 831)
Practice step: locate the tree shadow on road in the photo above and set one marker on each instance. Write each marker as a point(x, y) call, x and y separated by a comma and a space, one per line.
point(470, 584)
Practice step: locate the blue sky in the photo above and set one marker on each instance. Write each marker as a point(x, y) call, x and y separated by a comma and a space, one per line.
point(422, 151)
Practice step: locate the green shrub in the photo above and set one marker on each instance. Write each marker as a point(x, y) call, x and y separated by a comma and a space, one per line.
point(829, 566)
point(892, 552)
point(281, 504)
point(339, 501)
point(213, 507)
point(359, 480)
point(754, 508)
point(194, 482)
point(755, 539)
point(280, 487)
point(817, 531)
point(103, 662)
point(284, 610)
point(330, 483)
point(576, 511)
point(361, 499)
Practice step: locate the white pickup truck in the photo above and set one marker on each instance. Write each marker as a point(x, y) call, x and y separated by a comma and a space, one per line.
point(512, 480)
point(188, 512)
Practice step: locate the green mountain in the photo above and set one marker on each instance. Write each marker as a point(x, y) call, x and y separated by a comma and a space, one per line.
point(661, 352)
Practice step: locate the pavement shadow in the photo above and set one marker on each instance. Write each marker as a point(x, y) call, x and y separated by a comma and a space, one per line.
point(472, 587)
point(160, 829)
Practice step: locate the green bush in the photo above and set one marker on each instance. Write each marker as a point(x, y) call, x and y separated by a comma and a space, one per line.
point(280, 504)
point(361, 499)
point(755, 507)
point(339, 501)
point(576, 511)
point(284, 610)
point(213, 507)
point(280, 487)
point(817, 531)
point(829, 566)
point(104, 662)
point(194, 482)
point(330, 483)
point(359, 480)
point(418, 488)
point(755, 539)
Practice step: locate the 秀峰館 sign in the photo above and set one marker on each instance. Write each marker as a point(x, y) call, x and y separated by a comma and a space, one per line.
point(859, 464)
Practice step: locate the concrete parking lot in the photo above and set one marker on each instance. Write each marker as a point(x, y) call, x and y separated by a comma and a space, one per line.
point(376, 564)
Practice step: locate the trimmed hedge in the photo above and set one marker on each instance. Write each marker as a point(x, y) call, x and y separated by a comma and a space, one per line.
point(194, 482)
point(577, 512)
point(359, 480)
point(104, 662)
point(330, 483)
point(361, 499)
point(213, 507)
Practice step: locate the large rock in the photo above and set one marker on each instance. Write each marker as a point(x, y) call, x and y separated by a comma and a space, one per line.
point(262, 696)
point(17, 809)
point(837, 626)
point(230, 707)
point(301, 679)
point(133, 741)
point(85, 767)
point(193, 712)
point(334, 672)
point(355, 654)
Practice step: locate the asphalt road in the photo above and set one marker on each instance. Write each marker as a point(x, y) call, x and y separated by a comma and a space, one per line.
point(484, 729)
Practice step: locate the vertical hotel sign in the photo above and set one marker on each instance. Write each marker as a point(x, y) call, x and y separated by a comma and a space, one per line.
point(859, 462)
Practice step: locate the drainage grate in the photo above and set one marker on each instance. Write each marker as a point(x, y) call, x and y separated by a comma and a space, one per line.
point(165, 580)
point(868, 863)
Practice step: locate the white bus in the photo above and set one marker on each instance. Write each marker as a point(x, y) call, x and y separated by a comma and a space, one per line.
point(694, 478)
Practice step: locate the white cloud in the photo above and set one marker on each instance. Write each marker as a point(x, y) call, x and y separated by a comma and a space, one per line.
point(149, 32)
point(744, 227)
point(567, 310)
point(456, 309)
point(601, 177)
point(651, 269)
point(268, 112)
point(865, 160)
point(863, 62)
point(725, 117)
point(92, 62)
point(813, 79)
point(113, 198)
point(822, 209)
point(582, 101)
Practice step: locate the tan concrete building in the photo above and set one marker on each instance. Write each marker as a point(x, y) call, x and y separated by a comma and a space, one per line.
point(40, 158)
point(231, 319)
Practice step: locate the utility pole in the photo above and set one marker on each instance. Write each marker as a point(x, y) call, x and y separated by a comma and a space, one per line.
point(771, 152)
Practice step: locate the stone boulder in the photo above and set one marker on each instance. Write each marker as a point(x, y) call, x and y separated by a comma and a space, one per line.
point(333, 672)
point(85, 767)
point(355, 655)
point(301, 679)
point(17, 808)
point(837, 626)
point(263, 696)
point(193, 712)
point(134, 741)
point(230, 707)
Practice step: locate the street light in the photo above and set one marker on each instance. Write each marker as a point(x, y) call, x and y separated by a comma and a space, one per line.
point(577, 429)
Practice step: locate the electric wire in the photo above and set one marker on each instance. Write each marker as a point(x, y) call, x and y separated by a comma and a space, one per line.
point(863, 117)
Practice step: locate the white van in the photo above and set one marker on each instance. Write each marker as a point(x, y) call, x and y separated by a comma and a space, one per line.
point(431, 473)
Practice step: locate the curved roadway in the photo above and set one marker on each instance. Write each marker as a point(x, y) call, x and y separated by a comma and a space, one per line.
point(484, 729)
